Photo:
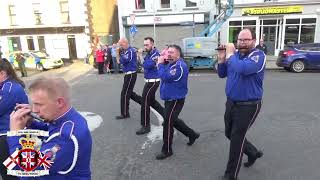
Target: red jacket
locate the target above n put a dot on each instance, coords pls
(99, 55)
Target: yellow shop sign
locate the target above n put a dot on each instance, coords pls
(272, 10)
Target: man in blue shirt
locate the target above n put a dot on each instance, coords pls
(115, 64)
(152, 80)
(69, 143)
(173, 90)
(128, 59)
(244, 70)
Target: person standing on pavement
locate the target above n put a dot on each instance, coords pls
(21, 63)
(244, 70)
(128, 59)
(11, 92)
(261, 46)
(173, 90)
(100, 59)
(115, 64)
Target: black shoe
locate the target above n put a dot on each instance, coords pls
(193, 139)
(163, 155)
(227, 177)
(143, 130)
(252, 160)
(122, 117)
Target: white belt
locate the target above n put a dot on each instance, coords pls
(152, 80)
(129, 72)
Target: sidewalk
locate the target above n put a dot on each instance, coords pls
(69, 71)
(271, 63)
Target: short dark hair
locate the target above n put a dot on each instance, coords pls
(149, 38)
(178, 48)
(253, 33)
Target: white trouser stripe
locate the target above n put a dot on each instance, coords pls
(175, 103)
(125, 97)
(253, 118)
(145, 105)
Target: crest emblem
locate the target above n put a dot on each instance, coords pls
(255, 58)
(173, 72)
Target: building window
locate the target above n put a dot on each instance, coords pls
(12, 15)
(64, 10)
(140, 4)
(37, 13)
(191, 3)
(236, 26)
(42, 45)
(165, 3)
(30, 43)
(300, 30)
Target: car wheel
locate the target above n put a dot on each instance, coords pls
(297, 66)
(287, 69)
(40, 67)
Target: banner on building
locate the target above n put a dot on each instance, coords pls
(272, 10)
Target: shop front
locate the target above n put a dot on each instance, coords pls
(278, 26)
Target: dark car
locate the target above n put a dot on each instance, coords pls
(299, 57)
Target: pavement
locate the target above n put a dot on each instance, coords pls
(271, 63)
(70, 72)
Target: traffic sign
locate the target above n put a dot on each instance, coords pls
(133, 29)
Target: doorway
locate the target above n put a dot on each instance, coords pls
(72, 47)
(271, 33)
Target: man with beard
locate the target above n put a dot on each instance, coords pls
(152, 80)
(244, 70)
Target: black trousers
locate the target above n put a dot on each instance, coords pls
(100, 67)
(127, 93)
(172, 111)
(148, 99)
(238, 119)
(4, 154)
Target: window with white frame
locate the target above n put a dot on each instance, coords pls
(236, 26)
(140, 4)
(300, 30)
(191, 3)
(12, 15)
(37, 13)
(64, 10)
(165, 3)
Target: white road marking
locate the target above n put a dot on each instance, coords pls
(93, 120)
(155, 134)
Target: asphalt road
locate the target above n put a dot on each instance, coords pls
(287, 130)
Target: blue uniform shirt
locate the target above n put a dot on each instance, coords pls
(128, 58)
(149, 65)
(11, 92)
(244, 75)
(174, 80)
(69, 146)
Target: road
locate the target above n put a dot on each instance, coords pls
(287, 128)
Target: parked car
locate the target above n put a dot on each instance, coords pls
(299, 57)
(36, 60)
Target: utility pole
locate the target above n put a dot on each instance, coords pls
(219, 11)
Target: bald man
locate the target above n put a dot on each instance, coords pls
(69, 144)
(128, 59)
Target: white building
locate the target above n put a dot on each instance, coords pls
(58, 26)
(278, 22)
(165, 20)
